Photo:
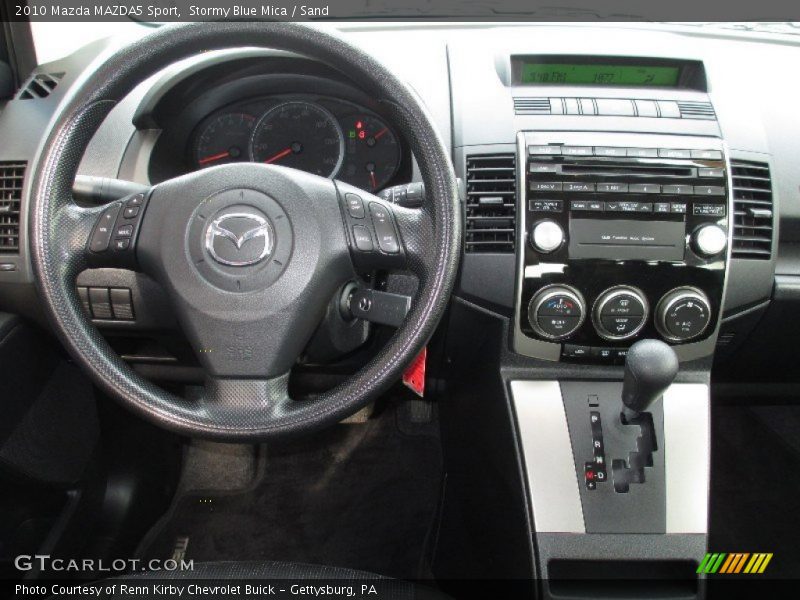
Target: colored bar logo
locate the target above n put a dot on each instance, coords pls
(734, 563)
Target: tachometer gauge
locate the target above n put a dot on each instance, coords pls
(300, 135)
(223, 139)
(372, 154)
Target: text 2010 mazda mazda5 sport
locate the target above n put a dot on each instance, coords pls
(225, 248)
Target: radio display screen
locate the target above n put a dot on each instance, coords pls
(609, 71)
(622, 75)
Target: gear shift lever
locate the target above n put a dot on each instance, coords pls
(651, 366)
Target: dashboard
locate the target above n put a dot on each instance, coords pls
(582, 88)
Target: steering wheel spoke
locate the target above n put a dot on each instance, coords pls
(383, 235)
(113, 236)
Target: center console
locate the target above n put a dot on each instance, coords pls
(621, 237)
(601, 204)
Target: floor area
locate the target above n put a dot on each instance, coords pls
(755, 491)
(361, 495)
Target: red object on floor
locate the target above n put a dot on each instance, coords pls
(414, 375)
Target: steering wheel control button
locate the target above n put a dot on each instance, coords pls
(384, 229)
(136, 200)
(362, 238)
(709, 240)
(124, 231)
(130, 212)
(122, 244)
(101, 237)
(547, 236)
(620, 313)
(683, 314)
(556, 312)
(355, 206)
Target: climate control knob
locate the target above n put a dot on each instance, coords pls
(556, 312)
(683, 314)
(547, 236)
(709, 240)
(620, 313)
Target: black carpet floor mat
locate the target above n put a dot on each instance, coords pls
(361, 496)
(755, 487)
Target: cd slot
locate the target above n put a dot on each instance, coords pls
(636, 171)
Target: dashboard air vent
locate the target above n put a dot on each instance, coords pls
(532, 106)
(697, 110)
(491, 203)
(39, 86)
(11, 176)
(752, 210)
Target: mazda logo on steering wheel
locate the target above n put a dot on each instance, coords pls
(240, 239)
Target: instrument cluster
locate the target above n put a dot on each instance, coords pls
(321, 135)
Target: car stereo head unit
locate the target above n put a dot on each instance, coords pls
(626, 236)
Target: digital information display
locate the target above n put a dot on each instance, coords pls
(540, 73)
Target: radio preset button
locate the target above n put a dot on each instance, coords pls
(578, 187)
(678, 189)
(546, 186)
(612, 187)
(644, 188)
(709, 190)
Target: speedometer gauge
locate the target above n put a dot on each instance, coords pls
(372, 154)
(300, 135)
(223, 139)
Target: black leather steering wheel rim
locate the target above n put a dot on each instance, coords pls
(59, 230)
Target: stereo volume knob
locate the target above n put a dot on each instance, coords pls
(556, 311)
(683, 314)
(547, 236)
(709, 240)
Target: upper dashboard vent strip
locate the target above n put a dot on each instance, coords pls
(753, 210)
(491, 203)
(12, 175)
(697, 110)
(614, 107)
(39, 85)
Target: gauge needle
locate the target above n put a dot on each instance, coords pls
(378, 135)
(213, 157)
(278, 156)
(372, 179)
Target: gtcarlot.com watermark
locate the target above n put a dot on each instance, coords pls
(44, 562)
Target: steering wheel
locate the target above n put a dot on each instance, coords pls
(249, 254)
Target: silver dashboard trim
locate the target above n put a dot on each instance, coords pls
(547, 454)
(687, 457)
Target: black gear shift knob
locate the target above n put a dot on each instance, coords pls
(650, 368)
